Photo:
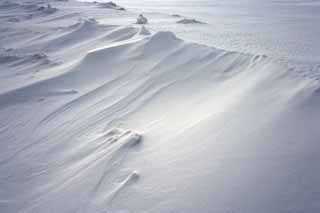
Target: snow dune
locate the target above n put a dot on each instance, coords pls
(134, 121)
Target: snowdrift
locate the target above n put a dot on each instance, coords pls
(139, 122)
(189, 21)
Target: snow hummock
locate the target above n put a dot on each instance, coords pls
(141, 19)
(137, 120)
(144, 31)
(110, 5)
(176, 15)
(189, 21)
(47, 9)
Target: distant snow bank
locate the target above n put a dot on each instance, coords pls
(185, 20)
(16, 11)
(189, 21)
(109, 5)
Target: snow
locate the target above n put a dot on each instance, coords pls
(110, 5)
(98, 114)
(189, 21)
(142, 20)
(274, 28)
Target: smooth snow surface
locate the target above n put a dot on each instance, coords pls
(101, 115)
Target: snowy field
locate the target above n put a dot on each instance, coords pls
(100, 114)
(283, 28)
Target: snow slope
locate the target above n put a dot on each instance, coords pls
(114, 118)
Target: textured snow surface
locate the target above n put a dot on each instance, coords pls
(281, 28)
(101, 115)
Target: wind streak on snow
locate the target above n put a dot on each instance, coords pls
(211, 121)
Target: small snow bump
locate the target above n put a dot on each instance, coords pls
(141, 19)
(176, 15)
(144, 31)
(189, 21)
(134, 176)
(109, 5)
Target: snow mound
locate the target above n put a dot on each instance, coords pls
(144, 31)
(189, 21)
(163, 39)
(47, 9)
(110, 5)
(85, 24)
(142, 20)
(176, 15)
(127, 138)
